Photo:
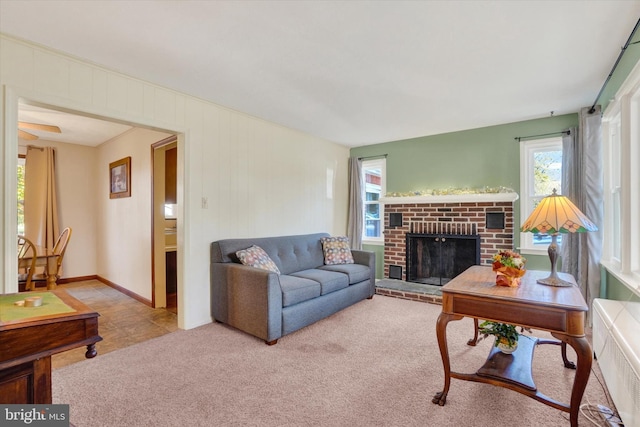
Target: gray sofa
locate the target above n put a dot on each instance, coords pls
(270, 305)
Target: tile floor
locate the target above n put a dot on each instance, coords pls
(123, 321)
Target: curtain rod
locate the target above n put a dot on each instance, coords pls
(568, 132)
(373, 157)
(29, 147)
(624, 48)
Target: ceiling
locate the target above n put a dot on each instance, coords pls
(74, 129)
(353, 72)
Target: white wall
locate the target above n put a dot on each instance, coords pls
(76, 167)
(124, 225)
(260, 178)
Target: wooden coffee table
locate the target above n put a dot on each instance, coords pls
(30, 335)
(559, 310)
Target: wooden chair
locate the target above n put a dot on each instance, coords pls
(27, 255)
(58, 249)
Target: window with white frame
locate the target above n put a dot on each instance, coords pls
(540, 174)
(373, 178)
(614, 187)
(621, 133)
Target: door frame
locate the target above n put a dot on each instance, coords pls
(158, 260)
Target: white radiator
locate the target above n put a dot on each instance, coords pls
(616, 344)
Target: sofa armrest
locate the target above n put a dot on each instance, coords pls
(247, 298)
(367, 258)
(364, 257)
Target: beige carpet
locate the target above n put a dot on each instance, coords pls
(374, 364)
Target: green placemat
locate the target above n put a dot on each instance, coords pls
(51, 304)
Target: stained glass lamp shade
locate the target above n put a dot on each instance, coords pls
(556, 214)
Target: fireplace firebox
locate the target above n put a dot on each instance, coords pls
(434, 259)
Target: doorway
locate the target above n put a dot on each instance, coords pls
(80, 145)
(165, 223)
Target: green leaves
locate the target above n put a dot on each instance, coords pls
(502, 331)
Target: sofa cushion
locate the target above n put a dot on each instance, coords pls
(297, 289)
(329, 280)
(289, 253)
(255, 256)
(356, 272)
(336, 250)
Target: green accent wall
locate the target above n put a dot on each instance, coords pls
(379, 251)
(473, 158)
(612, 288)
(487, 156)
(541, 262)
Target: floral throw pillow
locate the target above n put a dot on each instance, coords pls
(336, 250)
(255, 256)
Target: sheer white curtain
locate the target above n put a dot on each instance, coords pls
(40, 197)
(355, 216)
(582, 182)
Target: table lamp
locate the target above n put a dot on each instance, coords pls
(556, 214)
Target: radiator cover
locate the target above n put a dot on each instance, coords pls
(616, 325)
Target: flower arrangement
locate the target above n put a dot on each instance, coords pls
(509, 267)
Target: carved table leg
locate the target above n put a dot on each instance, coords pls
(563, 344)
(440, 398)
(51, 272)
(91, 351)
(567, 363)
(473, 341)
(585, 359)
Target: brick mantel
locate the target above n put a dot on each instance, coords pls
(448, 209)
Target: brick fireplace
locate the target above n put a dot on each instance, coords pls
(488, 215)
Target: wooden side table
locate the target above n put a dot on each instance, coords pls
(28, 340)
(559, 310)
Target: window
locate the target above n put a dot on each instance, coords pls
(170, 211)
(621, 133)
(373, 177)
(614, 187)
(540, 174)
(21, 195)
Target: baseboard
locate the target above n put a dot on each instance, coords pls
(65, 280)
(125, 291)
(62, 281)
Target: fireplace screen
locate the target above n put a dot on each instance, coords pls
(434, 259)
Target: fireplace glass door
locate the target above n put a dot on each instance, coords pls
(434, 259)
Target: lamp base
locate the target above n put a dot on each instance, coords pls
(554, 281)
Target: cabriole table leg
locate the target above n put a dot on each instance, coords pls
(440, 398)
(583, 369)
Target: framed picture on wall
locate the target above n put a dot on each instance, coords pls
(120, 178)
